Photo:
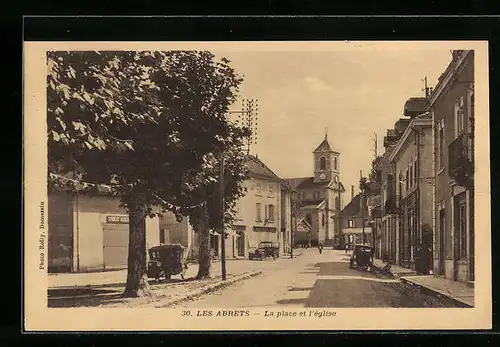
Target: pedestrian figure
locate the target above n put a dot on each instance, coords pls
(346, 247)
(320, 247)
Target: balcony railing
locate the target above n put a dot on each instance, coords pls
(460, 160)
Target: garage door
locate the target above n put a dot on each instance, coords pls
(115, 245)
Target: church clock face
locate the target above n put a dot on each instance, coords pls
(322, 176)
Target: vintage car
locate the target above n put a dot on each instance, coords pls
(362, 257)
(266, 249)
(165, 261)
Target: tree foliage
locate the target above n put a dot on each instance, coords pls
(151, 126)
(148, 122)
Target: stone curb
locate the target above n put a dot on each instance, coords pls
(200, 291)
(438, 293)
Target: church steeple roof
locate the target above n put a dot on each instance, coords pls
(324, 146)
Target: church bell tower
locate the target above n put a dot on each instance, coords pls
(326, 163)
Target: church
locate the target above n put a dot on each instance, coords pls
(320, 199)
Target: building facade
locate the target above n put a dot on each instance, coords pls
(355, 227)
(389, 199)
(412, 161)
(90, 233)
(320, 197)
(263, 214)
(452, 107)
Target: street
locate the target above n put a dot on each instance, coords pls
(312, 280)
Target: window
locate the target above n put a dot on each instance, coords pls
(323, 219)
(440, 157)
(322, 163)
(459, 117)
(407, 181)
(271, 188)
(335, 163)
(258, 210)
(162, 236)
(337, 204)
(462, 230)
(259, 188)
(410, 183)
(470, 112)
(350, 223)
(415, 173)
(271, 213)
(316, 195)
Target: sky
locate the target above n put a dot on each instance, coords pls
(352, 93)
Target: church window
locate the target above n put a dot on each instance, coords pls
(322, 163)
(323, 219)
(337, 206)
(335, 163)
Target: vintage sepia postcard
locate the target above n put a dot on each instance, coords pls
(256, 186)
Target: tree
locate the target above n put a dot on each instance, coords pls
(146, 124)
(208, 216)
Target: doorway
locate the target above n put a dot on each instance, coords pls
(442, 250)
(240, 244)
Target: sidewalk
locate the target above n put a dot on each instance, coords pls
(118, 278)
(458, 292)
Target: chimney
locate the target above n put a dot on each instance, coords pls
(352, 192)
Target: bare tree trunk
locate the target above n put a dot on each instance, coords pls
(205, 256)
(137, 281)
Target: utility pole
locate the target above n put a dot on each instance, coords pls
(251, 114)
(362, 206)
(222, 226)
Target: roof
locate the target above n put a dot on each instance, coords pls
(324, 146)
(258, 169)
(306, 204)
(424, 120)
(308, 182)
(415, 106)
(353, 208)
(302, 222)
